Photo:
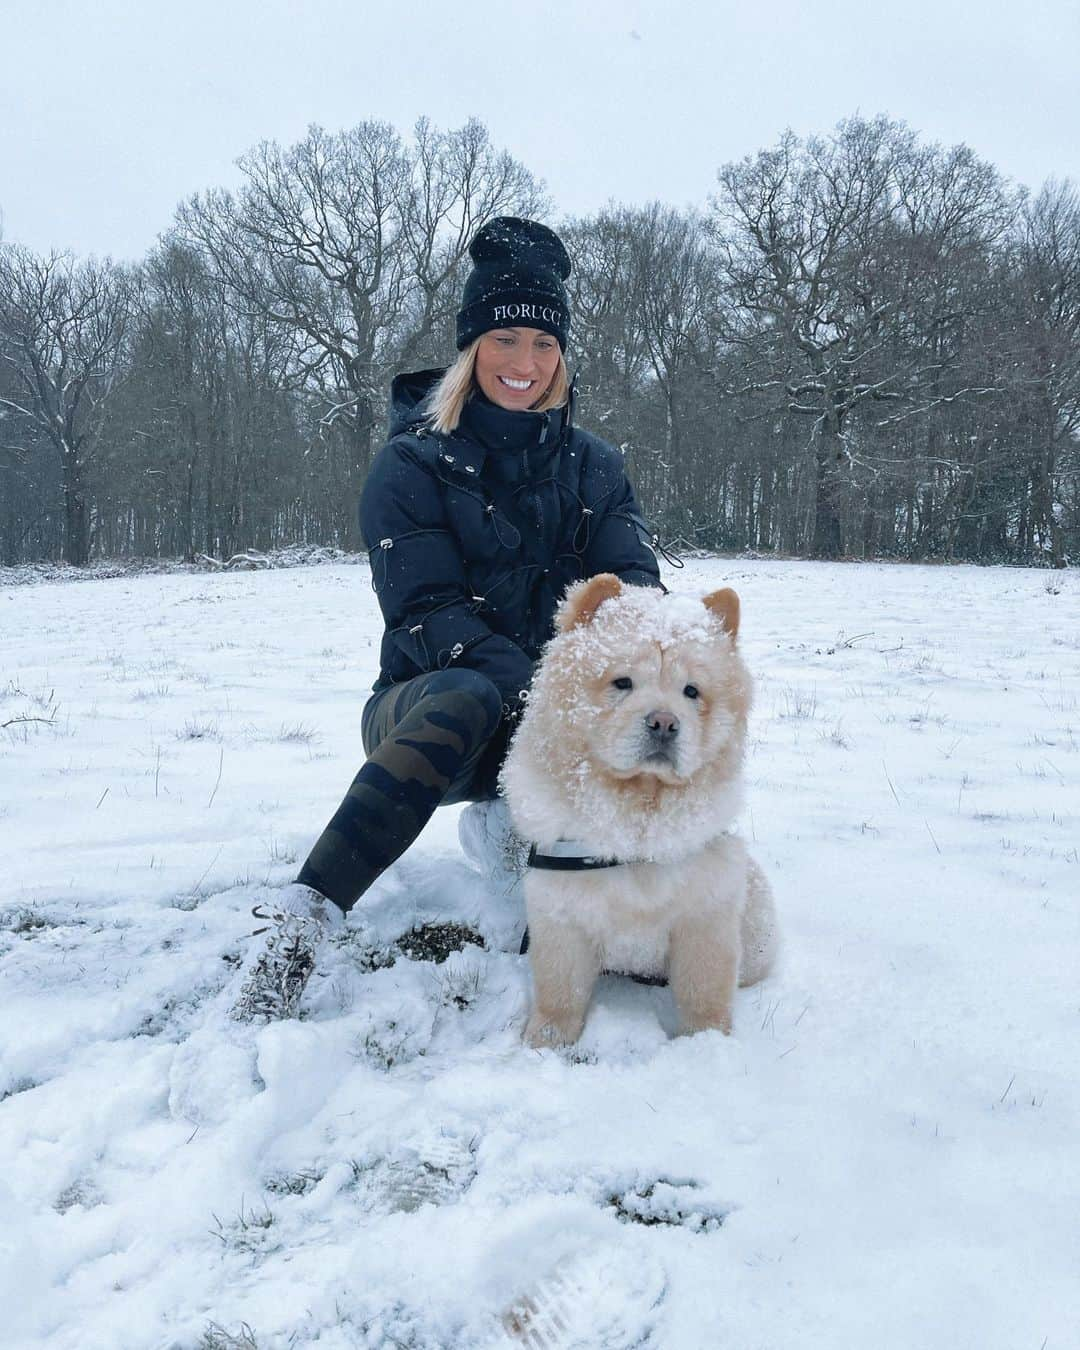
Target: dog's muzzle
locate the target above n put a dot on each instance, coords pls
(659, 742)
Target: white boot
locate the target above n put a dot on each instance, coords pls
(491, 843)
(295, 921)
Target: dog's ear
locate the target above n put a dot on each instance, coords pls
(584, 598)
(725, 605)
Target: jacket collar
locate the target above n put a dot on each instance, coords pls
(485, 428)
(498, 428)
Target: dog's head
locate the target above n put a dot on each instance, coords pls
(651, 686)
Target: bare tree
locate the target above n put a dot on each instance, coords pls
(457, 182)
(348, 242)
(843, 257)
(607, 340)
(674, 293)
(204, 446)
(869, 345)
(62, 331)
(1047, 352)
(644, 287)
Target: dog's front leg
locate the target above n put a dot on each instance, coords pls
(703, 966)
(565, 965)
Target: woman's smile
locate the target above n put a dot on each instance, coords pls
(515, 366)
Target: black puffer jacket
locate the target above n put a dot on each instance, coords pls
(474, 537)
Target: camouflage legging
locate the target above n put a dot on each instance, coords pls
(435, 739)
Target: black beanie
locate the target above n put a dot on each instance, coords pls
(519, 267)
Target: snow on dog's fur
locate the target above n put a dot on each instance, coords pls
(632, 746)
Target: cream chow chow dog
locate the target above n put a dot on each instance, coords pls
(625, 775)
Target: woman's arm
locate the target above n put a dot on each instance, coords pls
(419, 576)
(618, 534)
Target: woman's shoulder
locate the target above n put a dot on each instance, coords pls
(599, 458)
(416, 447)
(404, 469)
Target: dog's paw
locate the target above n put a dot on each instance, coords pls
(716, 1019)
(550, 1033)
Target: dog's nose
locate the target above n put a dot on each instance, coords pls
(662, 725)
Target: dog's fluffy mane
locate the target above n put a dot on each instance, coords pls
(554, 790)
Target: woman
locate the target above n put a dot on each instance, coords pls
(485, 503)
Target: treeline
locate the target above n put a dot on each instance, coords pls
(862, 345)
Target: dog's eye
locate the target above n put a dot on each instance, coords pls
(691, 691)
(623, 682)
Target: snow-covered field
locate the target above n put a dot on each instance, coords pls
(885, 1154)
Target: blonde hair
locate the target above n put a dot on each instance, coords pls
(447, 398)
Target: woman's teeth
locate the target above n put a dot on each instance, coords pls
(515, 384)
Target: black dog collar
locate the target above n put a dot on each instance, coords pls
(568, 862)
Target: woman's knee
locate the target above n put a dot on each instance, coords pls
(469, 684)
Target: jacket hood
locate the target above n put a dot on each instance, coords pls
(407, 393)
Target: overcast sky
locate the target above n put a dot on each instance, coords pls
(112, 111)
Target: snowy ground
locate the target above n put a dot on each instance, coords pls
(883, 1154)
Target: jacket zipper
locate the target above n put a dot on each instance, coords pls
(544, 424)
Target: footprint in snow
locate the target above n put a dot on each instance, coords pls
(434, 1171)
(606, 1296)
(214, 1070)
(668, 1204)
